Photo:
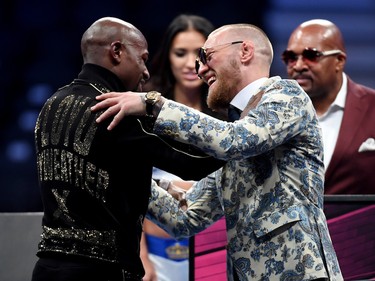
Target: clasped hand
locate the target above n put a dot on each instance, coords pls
(179, 194)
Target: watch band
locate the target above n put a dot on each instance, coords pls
(149, 107)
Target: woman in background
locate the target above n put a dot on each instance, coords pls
(173, 74)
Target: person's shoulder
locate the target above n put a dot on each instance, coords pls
(360, 89)
(284, 85)
(277, 81)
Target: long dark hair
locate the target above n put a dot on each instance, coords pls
(162, 78)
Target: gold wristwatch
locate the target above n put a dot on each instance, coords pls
(151, 98)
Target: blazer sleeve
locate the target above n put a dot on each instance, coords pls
(284, 112)
(204, 208)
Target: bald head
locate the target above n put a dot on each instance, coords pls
(119, 47)
(98, 38)
(242, 32)
(319, 32)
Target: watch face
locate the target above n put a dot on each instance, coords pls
(152, 95)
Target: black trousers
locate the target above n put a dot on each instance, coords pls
(57, 269)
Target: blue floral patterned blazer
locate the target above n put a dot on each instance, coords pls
(270, 190)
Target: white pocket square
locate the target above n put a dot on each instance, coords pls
(368, 145)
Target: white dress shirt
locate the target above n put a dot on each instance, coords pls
(331, 122)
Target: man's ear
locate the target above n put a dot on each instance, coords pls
(247, 51)
(341, 60)
(116, 50)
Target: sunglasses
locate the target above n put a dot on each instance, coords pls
(308, 55)
(202, 54)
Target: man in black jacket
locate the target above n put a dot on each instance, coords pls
(95, 183)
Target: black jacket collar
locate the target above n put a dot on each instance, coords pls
(95, 74)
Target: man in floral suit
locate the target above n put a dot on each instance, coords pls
(271, 189)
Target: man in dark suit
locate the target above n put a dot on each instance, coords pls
(315, 57)
(95, 183)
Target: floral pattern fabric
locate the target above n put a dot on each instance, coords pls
(270, 190)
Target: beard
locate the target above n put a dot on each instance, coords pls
(224, 90)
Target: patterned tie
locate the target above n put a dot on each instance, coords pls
(233, 113)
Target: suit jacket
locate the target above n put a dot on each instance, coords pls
(95, 183)
(270, 191)
(351, 171)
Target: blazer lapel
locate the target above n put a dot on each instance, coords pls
(354, 111)
(254, 100)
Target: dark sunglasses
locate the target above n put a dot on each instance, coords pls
(308, 55)
(202, 54)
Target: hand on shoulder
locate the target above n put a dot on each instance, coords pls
(119, 105)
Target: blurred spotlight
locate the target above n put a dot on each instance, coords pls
(27, 120)
(39, 93)
(19, 151)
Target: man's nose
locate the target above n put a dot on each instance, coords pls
(300, 64)
(146, 75)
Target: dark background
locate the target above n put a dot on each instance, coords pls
(40, 52)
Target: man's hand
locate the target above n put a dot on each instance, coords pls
(178, 188)
(179, 194)
(119, 105)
